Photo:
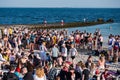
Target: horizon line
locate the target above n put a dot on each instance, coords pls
(62, 7)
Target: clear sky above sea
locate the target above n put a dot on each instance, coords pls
(61, 3)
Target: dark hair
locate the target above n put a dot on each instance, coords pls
(22, 53)
(0, 50)
(12, 67)
(29, 67)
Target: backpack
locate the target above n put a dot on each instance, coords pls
(52, 74)
(10, 76)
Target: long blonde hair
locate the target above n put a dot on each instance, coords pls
(40, 72)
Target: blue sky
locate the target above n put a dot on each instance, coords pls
(61, 3)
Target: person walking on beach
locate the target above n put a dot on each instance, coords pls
(73, 52)
(55, 53)
(43, 51)
(101, 41)
(64, 52)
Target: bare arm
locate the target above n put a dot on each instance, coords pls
(83, 77)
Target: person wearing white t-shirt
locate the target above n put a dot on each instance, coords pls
(73, 52)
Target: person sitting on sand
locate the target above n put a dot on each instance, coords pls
(101, 62)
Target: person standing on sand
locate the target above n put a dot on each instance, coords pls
(6, 32)
(101, 41)
(77, 40)
(68, 45)
(43, 51)
(60, 43)
(116, 46)
(85, 72)
(64, 52)
(73, 52)
(32, 41)
(110, 46)
(90, 41)
(95, 42)
(55, 53)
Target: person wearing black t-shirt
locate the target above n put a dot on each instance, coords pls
(68, 45)
(11, 74)
(85, 73)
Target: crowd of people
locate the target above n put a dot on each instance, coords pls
(57, 50)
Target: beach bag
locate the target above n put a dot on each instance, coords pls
(104, 53)
(95, 52)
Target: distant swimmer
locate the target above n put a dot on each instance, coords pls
(110, 27)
